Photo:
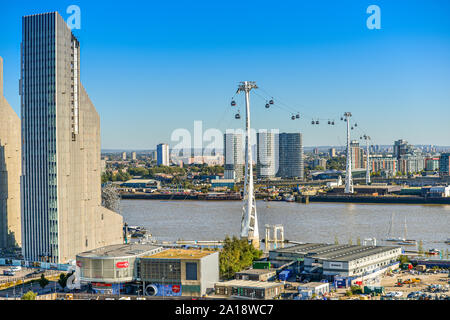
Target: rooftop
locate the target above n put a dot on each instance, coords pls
(181, 254)
(312, 284)
(256, 271)
(120, 250)
(249, 284)
(335, 252)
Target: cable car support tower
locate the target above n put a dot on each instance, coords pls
(249, 222)
(348, 172)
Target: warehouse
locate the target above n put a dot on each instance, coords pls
(248, 289)
(109, 268)
(317, 288)
(342, 260)
(179, 272)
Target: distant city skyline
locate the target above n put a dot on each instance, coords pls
(181, 62)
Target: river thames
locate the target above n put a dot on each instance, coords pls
(314, 222)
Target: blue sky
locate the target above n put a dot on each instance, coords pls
(151, 67)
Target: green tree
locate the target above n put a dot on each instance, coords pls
(30, 295)
(236, 255)
(403, 259)
(43, 281)
(62, 281)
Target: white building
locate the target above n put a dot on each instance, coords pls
(162, 154)
(267, 154)
(234, 156)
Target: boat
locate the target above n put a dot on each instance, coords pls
(390, 238)
(405, 241)
(434, 252)
(289, 198)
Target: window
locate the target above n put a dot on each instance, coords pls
(191, 271)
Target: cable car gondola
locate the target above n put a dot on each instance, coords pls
(297, 116)
(267, 106)
(271, 101)
(329, 122)
(332, 123)
(293, 117)
(233, 103)
(237, 116)
(312, 122)
(317, 122)
(356, 124)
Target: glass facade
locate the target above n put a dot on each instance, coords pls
(38, 112)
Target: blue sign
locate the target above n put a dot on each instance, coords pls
(163, 290)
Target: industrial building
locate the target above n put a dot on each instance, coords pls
(327, 260)
(10, 170)
(179, 272)
(112, 267)
(249, 289)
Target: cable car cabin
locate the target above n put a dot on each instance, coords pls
(267, 105)
(293, 117)
(312, 122)
(332, 123)
(317, 122)
(297, 116)
(233, 103)
(271, 102)
(237, 116)
(356, 124)
(329, 122)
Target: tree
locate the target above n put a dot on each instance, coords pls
(62, 281)
(403, 259)
(43, 281)
(30, 295)
(236, 255)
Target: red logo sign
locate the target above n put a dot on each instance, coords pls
(176, 288)
(122, 264)
(79, 264)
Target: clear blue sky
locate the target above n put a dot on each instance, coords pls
(153, 66)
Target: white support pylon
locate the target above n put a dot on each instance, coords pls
(249, 221)
(348, 172)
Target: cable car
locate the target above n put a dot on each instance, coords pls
(356, 124)
(312, 122)
(233, 103)
(317, 122)
(342, 118)
(329, 122)
(332, 123)
(267, 105)
(293, 117)
(237, 116)
(352, 128)
(297, 116)
(271, 101)
(360, 138)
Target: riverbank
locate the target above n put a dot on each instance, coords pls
(373, 199)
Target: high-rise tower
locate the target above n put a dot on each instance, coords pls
(61, 192)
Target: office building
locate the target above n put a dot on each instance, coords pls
(266, 155)
(234, 156)
(162, 154)
(291, 163)
(61, 192)
(10, 170)
(444, 165)
(124, 156)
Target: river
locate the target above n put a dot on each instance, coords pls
(314, 222)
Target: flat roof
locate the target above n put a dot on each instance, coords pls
(141, 181)
(249, 284)
(256, 271)
(335, 252)
(181, 254)
(120, 250)
(312, 284)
